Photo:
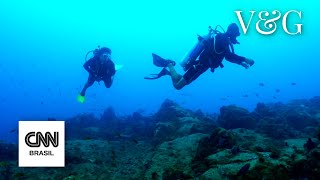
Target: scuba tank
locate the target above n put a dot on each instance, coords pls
(198, 48)
(94, 52)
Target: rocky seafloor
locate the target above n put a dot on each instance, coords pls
(274, 141)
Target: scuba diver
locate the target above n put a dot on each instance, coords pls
(211, 49)
(100, 67)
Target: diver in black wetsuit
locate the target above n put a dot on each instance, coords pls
(100, 67)
(215, 50)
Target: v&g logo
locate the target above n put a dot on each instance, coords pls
(268, 20)
(41, 144)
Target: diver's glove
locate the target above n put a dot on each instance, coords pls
(249, 61)
(245, 65)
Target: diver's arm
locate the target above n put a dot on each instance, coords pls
(231, 57)
(112, 69)
(87, 66)
(245, 62)
(111, 80)
(113, 72)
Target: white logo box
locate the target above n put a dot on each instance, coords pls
(41, 156)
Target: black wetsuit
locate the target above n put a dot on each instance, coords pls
(100, 71)
(216, 50)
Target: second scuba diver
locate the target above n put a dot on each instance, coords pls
(100, 67)
(211, 52)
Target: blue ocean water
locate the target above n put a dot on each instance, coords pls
(43, 45)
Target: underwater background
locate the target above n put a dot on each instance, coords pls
(43, 46)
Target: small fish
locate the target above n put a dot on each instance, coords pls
(246, 95)
(41, 102)
(135, 141)
(274, 97)
(261, 84)
(243, 170)
(293, 84)
(257, 95)
(223, 99)
(87, 138)
(277, 90)
(118, 135)
(13, 130)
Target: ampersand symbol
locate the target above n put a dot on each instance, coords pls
(268, 24)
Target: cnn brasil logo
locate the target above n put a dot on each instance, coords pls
(41, 144)
(268, 20)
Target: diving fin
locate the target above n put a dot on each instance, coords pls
(118, 66)
(81, 99)
(160, 62)
(163, 72)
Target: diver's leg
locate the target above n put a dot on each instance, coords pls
(177, 80)
(107, 82)
(192, 74)
(88, 84)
